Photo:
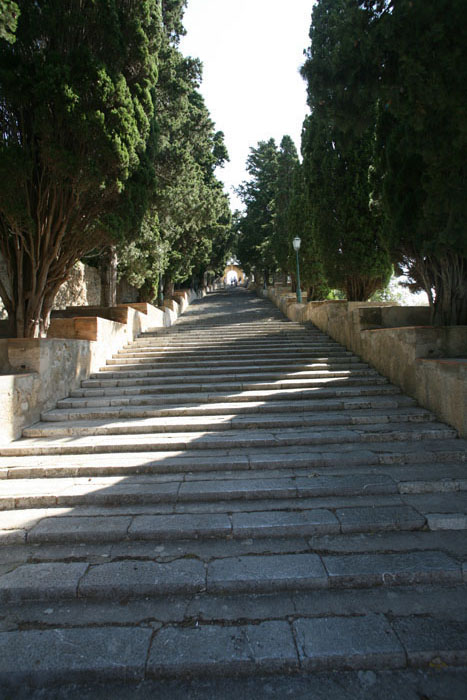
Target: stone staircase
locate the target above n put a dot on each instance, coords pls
(235, 496)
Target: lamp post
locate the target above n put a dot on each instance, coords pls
(160, 294)
(296, 246)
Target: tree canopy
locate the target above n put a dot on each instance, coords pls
(104, 139)
(187, 227)
(9, 13)
(396, 69)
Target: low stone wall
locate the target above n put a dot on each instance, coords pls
(43, 371)
(37, 372)
(428, 363)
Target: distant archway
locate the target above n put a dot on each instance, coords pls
(233, 275)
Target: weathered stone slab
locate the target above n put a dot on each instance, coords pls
(433, 641)
(366, 570)
(80, 529)
(276, 523)
(40, 657)
(250, 606)
(17, 536)
(47, 581)
(181, 526)
(266, 573)
(222, 650)
(142, 578)
(351, 485)
(379, 518)
(238, 488)
(447, 521)
(348, 643)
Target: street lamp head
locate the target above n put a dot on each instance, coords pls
(296, 243)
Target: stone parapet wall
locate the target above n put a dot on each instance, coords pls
(429, 363)
(37, 372)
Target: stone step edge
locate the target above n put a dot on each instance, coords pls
(226, 421)
(218, 440)
(370, 453)
(310, 393)
(399, 402)
(107, 528)
(111, 653)
(135, 578)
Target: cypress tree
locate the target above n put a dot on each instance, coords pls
(76, 105)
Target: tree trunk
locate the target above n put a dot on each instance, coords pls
(108, 270)
(168, 287)
(450, 286)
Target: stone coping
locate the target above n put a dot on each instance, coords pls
(426, 362)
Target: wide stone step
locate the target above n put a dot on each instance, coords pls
(129, 387)
(370, 501)
(239, 408)
(197, 363)
(244, 656)
(45, 525)
(227, 368)
(255, 345)
(32, 493)
(227, 421)
(228, 440)
(252, 355)
(131, 578)
(424, 467)
(240, 377)
(124, 397)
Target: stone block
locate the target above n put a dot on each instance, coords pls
(266, 573)
(333, 643)
(61, 656)
(219, 650)
(366, 570)
(284, 523)
(447, 521)
(134, 579)
(79, 529)
(377, 518)
(47, 581)
(433, 641)
(148, 527)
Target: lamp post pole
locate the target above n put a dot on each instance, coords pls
(160, 295)
(296, 246)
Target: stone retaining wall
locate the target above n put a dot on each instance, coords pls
(36, 372)
(428, 363)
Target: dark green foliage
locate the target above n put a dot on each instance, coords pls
(345, 230)
(300, 224)
(422, 153)
(188, 225)
(9, 13)
(256, 239)
(399, 68)
(75, 117)
(287, 163)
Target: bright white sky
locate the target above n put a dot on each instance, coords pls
(252, 51)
